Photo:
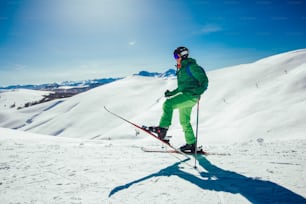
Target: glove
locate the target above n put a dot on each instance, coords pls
(168, 93)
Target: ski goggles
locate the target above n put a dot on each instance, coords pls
(176, 56)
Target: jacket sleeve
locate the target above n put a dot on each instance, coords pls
(174, 92)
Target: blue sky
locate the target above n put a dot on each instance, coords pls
(59, 40)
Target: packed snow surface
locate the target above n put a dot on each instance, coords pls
(252, 119)
(44, 169)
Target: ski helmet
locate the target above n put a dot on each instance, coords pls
(182, 52)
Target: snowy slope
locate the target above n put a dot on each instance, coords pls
(129, 96)
(12, 100)
(19, 97)
(256, 112)
(42, 169)
(264, 99)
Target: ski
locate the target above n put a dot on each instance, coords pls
(163, 150)
(199, 152)
(149, 133)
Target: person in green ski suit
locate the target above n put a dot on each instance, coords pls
(192, 81)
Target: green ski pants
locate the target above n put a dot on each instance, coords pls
(184, 103)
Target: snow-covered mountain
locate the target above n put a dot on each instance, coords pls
(89, 84)
(17, 98)
(54, 86)
(263, 99)
(21, 96)
(168, 73)
(256, 112)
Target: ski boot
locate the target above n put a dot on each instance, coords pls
(159, 131)
(188, 148)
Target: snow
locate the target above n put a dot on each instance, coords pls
(255, 112)
(41, 169)
(19, 97)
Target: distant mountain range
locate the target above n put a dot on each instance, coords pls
(84, 85)
(168, 73)
(64, 85)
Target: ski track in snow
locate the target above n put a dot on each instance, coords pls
(39, 169)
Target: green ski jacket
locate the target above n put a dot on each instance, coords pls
(191, 79)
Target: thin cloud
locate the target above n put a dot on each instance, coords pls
(132, 43)
(210, 28)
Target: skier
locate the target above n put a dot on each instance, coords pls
(192, 81)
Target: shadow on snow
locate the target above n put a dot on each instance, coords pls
(217, 179)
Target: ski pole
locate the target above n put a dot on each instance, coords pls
(197, 131)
